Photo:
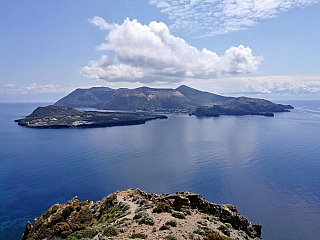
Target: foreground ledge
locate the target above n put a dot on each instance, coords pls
(138, 214)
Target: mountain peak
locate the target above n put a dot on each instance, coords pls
(183, 98)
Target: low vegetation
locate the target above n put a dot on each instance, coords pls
(139, 215)
(147, 221)
(177, 214)
(138, 235)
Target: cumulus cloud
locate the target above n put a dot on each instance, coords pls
(212, 17)
(149, 53)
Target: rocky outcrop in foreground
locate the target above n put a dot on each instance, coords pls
(137, 214)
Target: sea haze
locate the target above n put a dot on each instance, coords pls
(267, 167)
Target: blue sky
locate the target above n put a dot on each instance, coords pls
(49, 48)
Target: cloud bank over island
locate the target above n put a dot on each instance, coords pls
(150, 53)
(18, 89)
(304, 85)
(33, 92)
(308, 86)
(211, 17)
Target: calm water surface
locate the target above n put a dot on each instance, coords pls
(267, 167)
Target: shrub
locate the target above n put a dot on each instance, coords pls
(179, 215)
(140, 214)
(186, 211)
(172, 223)
(147, 221)
(202, 223)
(85, 233)
(199, 231)
(224, 230)
(215, 236)
(110, 231)
(138, 235)
(212, 235)
(170, 237)
(164, 227)
(113, 211)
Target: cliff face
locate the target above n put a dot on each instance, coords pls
(137, 214)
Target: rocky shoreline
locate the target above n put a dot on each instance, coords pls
(64, 117)
(138, 214)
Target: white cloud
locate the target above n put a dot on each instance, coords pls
(284, 85)
(149, 53)
(266, 85)
(14, 89)
(211, 17)
(101, 23)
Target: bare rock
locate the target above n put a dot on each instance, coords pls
(117, 217)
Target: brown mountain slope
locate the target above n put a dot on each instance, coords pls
(147, 99)
(139, 98)
(181, 99)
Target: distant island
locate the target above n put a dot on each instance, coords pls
(64, 117)
(136, 214)
(183, 99)
(143, 102)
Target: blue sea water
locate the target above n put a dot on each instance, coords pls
(268, 167)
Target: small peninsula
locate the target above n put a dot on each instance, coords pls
(242, 106)
(64, 117)
(136, 214)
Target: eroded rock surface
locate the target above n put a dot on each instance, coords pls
(138, 214)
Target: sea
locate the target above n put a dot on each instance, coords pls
(268, 167)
